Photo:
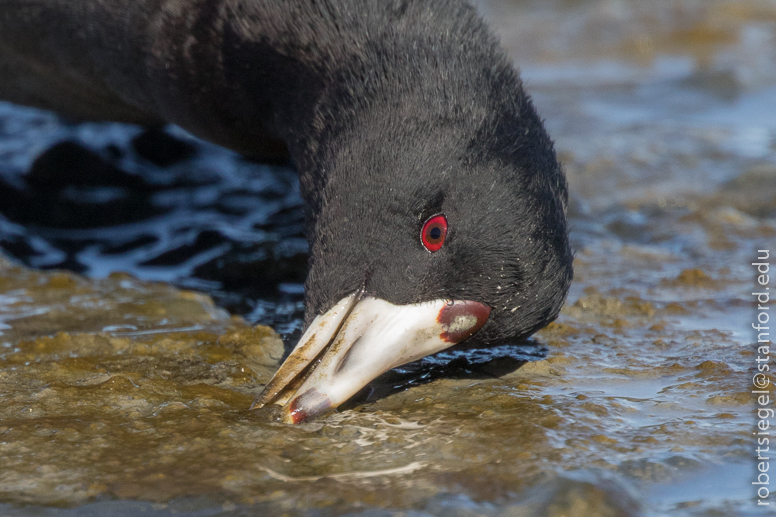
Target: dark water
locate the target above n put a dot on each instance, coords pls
(636, 403)
(99, 197)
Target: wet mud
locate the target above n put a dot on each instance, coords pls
(126, 380)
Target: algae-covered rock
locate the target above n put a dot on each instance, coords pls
(104, 381)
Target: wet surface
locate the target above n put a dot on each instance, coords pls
(124, 396)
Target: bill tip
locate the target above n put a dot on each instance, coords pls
(309, 404)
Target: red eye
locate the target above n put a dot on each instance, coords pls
(434, 232)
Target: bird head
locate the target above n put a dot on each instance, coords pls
(428, 230)
(437, 214)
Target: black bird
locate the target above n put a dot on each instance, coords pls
(435, 202)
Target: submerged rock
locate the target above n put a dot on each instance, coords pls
(104, 381)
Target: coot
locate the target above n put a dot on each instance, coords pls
(435, 202)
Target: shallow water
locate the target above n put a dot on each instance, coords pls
(123, 396)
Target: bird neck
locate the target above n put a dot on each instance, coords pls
(243, 73)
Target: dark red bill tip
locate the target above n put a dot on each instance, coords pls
(461, 319)
(309, 404)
